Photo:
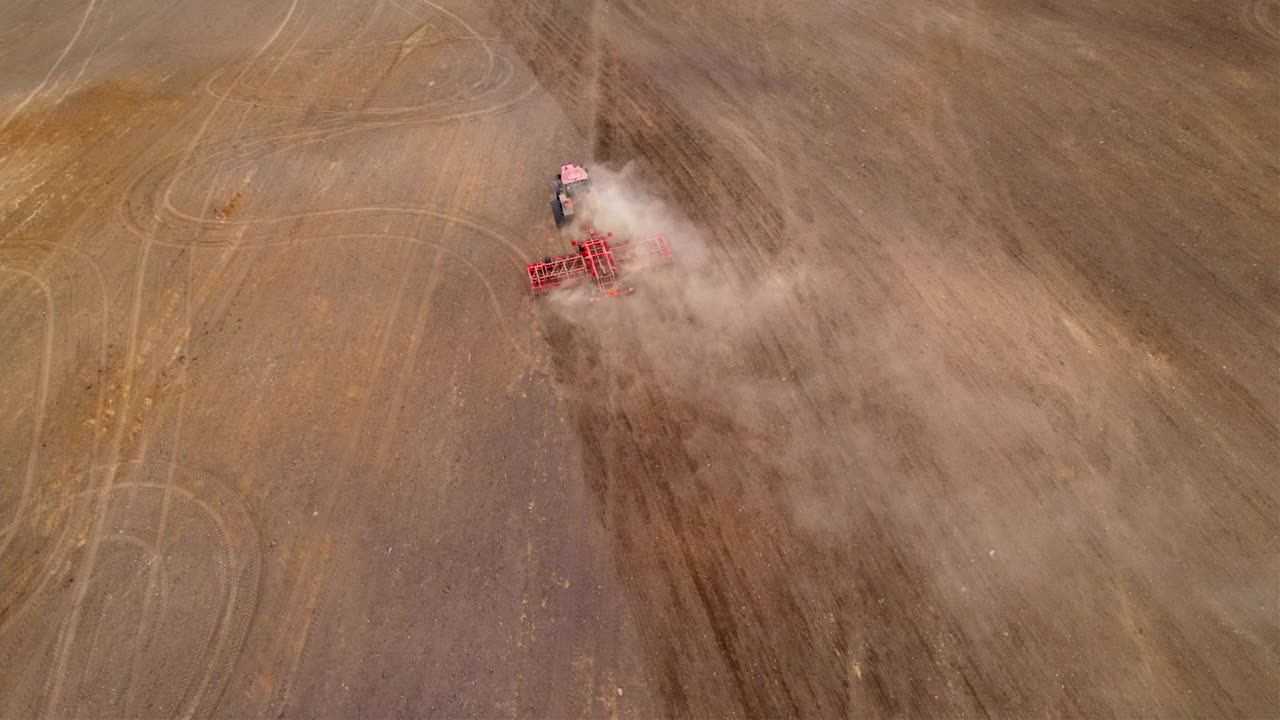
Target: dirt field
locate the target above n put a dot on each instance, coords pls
(962, 400)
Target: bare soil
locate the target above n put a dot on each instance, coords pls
(962, 399)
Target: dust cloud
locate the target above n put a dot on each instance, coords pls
(715, 420)
(717, 352)
(748, 376)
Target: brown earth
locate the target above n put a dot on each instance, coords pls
(961, 400)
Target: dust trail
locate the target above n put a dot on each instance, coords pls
(694, 404)
(701, 330)
(744, 440)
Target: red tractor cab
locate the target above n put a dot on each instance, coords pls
(573, 194)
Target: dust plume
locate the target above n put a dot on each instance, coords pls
(717, 350)
(711, 431)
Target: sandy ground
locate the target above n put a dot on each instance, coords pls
(961, 401)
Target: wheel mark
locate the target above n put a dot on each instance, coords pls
(150, 557)
(246, 562)
(61, 547)
(176, 443)
(388, 430)
(1262, 18)
(348, 460)
(44, 117)
(498, 308)
(73, 621)
(487, 47)
(407, 367)
(56, 64)
(491, 60)
(185, 339)
(132, 358)
(42, 400)
(486, 230)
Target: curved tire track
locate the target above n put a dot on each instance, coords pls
(231, 543)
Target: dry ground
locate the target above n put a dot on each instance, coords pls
(962, 402)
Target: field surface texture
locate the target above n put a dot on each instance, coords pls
(960, 399)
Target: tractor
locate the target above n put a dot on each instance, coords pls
(573, 195)
(599, 262)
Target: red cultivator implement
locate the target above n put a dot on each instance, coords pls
(601, 261)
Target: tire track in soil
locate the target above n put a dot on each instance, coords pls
(501, 312)
(218, 627)
(315, 602)
(144, 204)
(325, 585)
(151, 558)
(422, 113)
(15, 150)
(42, 401)
(308, 594)
(443, 110)
(149, 238)
(88, 12)
(69, 632)
(477, 90)
(16, 607)
(206, 232)
(236, 567)
(310, 590)
(92, 653)
(183, 347)
(1262, 19)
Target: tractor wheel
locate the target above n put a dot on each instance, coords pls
(557, 212)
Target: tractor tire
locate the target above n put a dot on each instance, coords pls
(557, 212)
